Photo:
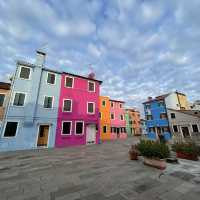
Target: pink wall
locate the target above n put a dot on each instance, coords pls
(80, 96)
(117, 122)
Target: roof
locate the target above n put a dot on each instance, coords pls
(55, 71)
(132, 110)
(5, 86)
(195, 113)
(158, 98)
(117, 101)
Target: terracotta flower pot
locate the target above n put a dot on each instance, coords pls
(157, 163)
(188, 156)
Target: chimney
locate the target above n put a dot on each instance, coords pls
(150, 98)
(40, 58)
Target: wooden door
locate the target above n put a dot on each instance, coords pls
(43, 135)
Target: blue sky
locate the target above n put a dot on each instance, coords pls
(139, 48)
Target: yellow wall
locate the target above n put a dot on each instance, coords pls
(105, 117)
(183, 101)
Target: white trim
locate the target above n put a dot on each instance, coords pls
(89, 113)
(94, 86)
(38, 129)
(4, 128)
(70, 128)
(13, 99)
(3, 99)
(71, 105)
(52, 101)
(47, 78)
(72, 81)
(30, 74)
(113, 116)
(82, 129)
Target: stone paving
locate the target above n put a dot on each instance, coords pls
(95, 172)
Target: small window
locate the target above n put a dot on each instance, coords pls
(104, 129)
(51, 78)
(120, 105)
(122, 117)
(91, 86)
(66, 127)
(79, 128)
(103, 103)
(148, 106)
(161, 104)
(163, 116)
(10, 129)
(175, 128)
(112, 104)
(173, 116)
(149, 117)
(48, 102)
(152, 129)
(100, 115)
(90, 108)
(195, 128)
(69, 82)
(19, 99)
(2, 97)
(25, 73)
(67, 105)
(112, 116)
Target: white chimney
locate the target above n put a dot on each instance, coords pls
(40, 58)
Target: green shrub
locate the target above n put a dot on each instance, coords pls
(152, 149)
(189, 148)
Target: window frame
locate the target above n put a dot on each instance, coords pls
(105, 129)
(54, 80)
(22, 66)
(174, 115)
(70, 128)
(4, 128)
(193, 128)
(13, 100)
(71, 106)
(102, 103)
(3, 100)
(82, 129)
(89, 85)
(52, 102)
(66, 81)
(89, 113)
(113, 116)
(176, 127)
(112, 104)
(121, 115)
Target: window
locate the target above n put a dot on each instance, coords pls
(104, 129)
(165, 129)
(149, 117)
(10, 129)
(67, 105)
(175, 128)
(25, 73)
(48, 102)
(163, 116)
(100, 115)
(112, 104)
(103, 103)
(90, 108)
(173, 116)
(2, 97)
(195, 128)
(122, 117)
(112, 116)
(19, 99)
(91, 86)
(161, 103)
(69, 82)
(66, 127)
(120, 105)
(152, 129)
(79, 127)
(51, 78)
(148, 106)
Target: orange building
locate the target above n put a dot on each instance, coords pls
(104, 108)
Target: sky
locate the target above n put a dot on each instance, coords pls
(138, 48)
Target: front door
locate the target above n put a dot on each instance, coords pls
(91, 134)
(185, 132)
(43, 136)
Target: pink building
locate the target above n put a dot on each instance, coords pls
(118, 123)
(78, 112)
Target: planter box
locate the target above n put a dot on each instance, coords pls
(159, 164)
(187, 156)
(133, 156)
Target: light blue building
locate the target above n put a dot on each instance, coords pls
(31, 117)
(156, 118)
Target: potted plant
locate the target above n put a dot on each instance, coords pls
(187, 151)
(133, 153)
(154, 153)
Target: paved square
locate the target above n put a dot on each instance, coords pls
(95, 172)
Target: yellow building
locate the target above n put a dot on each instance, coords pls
(183, 102)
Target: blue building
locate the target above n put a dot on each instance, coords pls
(31, 116)
(157, 122)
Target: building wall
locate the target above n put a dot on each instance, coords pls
(105, 118)
(136, 122)
(128, 124)
(80, 96)
(32, 114)
(117, 122)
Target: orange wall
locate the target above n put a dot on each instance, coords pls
(2, 109)
(105, 117)
(135, 115)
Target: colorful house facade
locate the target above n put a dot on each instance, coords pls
(78, 113)
(104, 108)
(117, 120)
